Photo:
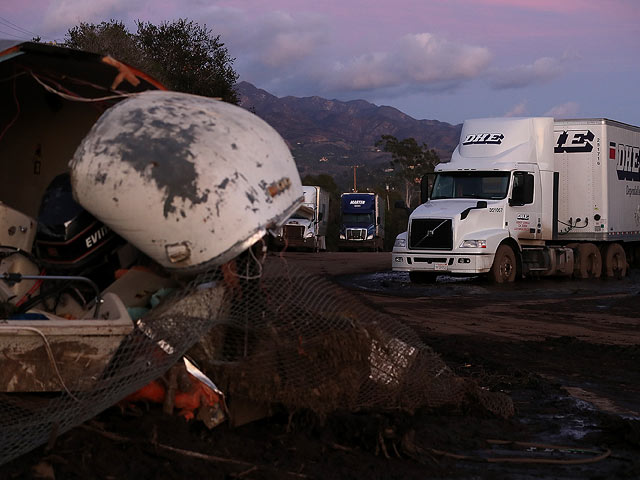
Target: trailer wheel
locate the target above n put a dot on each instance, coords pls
(614, 261)
(504, 265)
(422, 277)
(588, 263)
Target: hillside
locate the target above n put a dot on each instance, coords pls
(330, 136)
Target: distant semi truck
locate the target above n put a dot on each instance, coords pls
(529, 196)
(307, 227)
(362, 221)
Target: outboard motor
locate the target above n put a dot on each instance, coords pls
(71, 241)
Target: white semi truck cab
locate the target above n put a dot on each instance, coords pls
(307, 226)
(529, 196)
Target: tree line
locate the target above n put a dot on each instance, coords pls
(183, 55)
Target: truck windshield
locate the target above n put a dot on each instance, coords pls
(487, 185)
(300, 216)
(357, 218)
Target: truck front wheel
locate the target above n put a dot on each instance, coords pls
(504, 266)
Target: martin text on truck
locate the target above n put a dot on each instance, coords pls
(362, 221)
(529, 196)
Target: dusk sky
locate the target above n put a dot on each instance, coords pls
(446, 60)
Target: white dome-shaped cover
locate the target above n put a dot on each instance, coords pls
(188, 180)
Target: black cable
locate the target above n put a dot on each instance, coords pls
(68, 280)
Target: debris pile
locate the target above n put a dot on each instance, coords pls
(294, 339)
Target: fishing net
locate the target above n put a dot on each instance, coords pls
(266, 333)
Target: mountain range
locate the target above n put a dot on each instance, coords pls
(332, 136)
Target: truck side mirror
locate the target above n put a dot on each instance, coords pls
(425, 187)
(320, 216)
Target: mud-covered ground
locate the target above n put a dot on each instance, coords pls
(567, 352)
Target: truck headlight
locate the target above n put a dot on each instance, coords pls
(369, 237)
(309, 235)
(400, 242)
(342, 237)
(473, 244)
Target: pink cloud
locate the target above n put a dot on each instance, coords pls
(518, 110)
(565, 110)
(417, 59)
(540, 71)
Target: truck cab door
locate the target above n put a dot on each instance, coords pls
(524, 215)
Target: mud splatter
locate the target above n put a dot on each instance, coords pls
(166, 160)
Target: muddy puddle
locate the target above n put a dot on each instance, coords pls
(398, 284)
(575, 423)
(566, 351)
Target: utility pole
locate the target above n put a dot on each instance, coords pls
(388, 205)
(355, 189)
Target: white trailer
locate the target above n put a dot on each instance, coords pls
(529, 196)
(307, 227)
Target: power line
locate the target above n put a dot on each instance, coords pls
(14, 36)
(13, 26)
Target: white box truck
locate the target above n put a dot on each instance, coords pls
(307, 227)
(529, 196)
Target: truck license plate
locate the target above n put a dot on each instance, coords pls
(440, 266)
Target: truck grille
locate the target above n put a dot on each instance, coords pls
(428, 233)
(356, 233)
(293, 232)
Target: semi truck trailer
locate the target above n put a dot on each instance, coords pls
(362, 221)
(307, 227)
(529, 196)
